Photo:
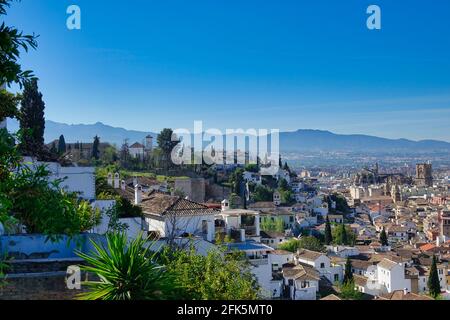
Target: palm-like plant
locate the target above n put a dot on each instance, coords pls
(127, 271)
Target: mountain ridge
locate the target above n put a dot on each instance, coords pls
(291, 141)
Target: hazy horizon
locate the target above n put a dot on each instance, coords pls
(284, 65)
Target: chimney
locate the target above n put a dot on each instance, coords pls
(123, 185)
(405, 291)
(137, 194)
(135, 181)
(116, 181)
(225, 205)
(110, 179)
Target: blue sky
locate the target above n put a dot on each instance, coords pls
(147, 65)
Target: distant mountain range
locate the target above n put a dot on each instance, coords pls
(87, 132)
(300, 140)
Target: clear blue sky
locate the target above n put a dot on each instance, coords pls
(147, 65)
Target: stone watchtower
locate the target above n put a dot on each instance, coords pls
(424, 175)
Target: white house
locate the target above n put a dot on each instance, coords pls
(172, 216)
(391, 276)
(300, 282)
(272, 239)
(277, 259)
(244, 222)
(137, 150)
(321, 263)
(258, 256)
(397, 234)
(343, 251)
(75, 179)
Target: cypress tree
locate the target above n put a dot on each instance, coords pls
(32, 120)
(53, 148)
(383, 238)
(328, 235)
(434, 285)
(348, 274)
(95, 148)
(344, 238)
(61, 145)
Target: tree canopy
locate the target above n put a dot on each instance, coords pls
(308, 243)
(434, 285)
(32, 120)
(12, 42)
(216, 276)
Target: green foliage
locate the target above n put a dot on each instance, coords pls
(434, 285)
(95, 148)
(252, 167)
(167, 141)
(28, 197)
(283, 185)
(343, 235)
(349, 292)
(383, 238)
(109, 155)
(307, 242)
(270, 224)
(127, 271)
(4, 266)
(61, 145)
(285, 191)
(217, 276)
(234, 201)
(12, 41)
(8, 104)
(341, 204)
(124, 206)
(236, 179)
(32, 120)
(348, 273)
(328, 233)
(262, 193)
(114, 225)
(291, 245)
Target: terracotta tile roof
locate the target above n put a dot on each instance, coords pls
(271, 234)
(387, 264)
(360, 280)
(361, 264)
(428, 247)
(163, 204)
(301, 272)
(280, 252)
(308, 254)
(400, 295)
(331, 297)
(262, 205)
(136, 145)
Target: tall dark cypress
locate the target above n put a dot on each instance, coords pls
(383, 238)
(348, 273)
(95, 148)
(61, 145)
(32, 120)
(344, 237)
(328, 234)
(434, 285)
